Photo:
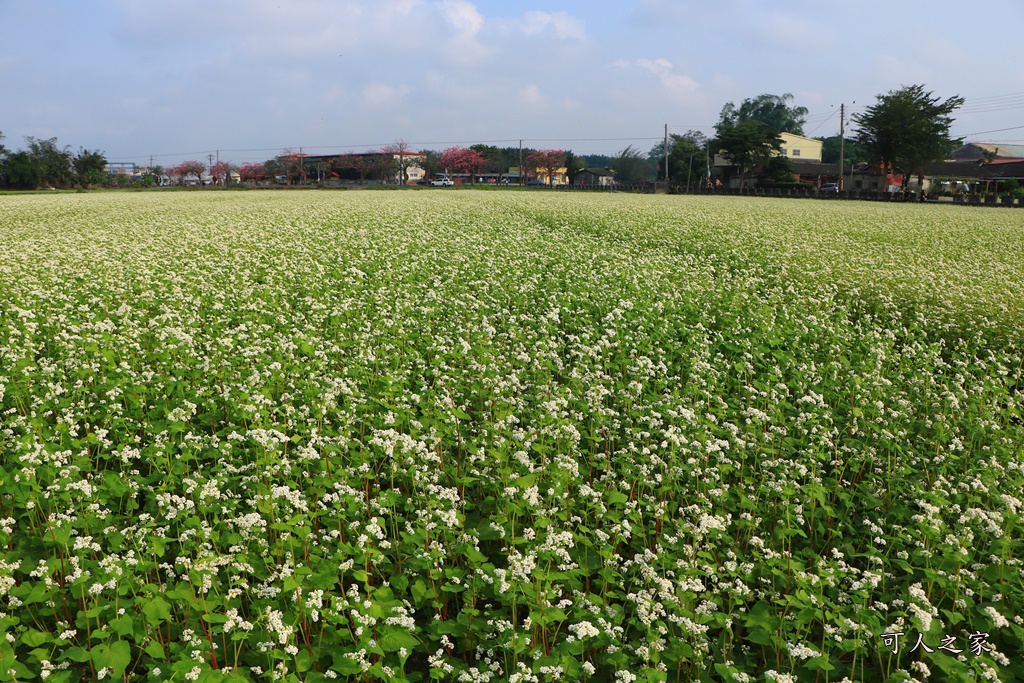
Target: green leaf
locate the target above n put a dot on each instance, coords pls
(34, 638)
(156, 610)
(123, 626)
(77, 654)
(156, 650)
(116, 656)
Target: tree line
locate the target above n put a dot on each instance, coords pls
(44, 163)
(905, 130)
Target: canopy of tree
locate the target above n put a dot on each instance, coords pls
(775, 111)
(907, 129)
(46, 163)
(748, 143)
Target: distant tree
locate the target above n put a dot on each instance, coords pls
(382, 166)
(853, 151)
(191, 168)
(54, 162)
(429, 163)
(778, 169)
(293, 165)
(90, 167)
(631, 166)
(748, 143)
(907, 129)
(221, 172)
(19, 170)
(573, 166)
(3, 150)
(462, 160)
(496, 160)
(597, 161)
(547, 160)
(252, 172)
(274, 168)
(776, 111)
(355, 164)
(687, 158)
(400, 151)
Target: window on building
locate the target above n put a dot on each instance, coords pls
(796, 152)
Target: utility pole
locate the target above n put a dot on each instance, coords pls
(842, 139)
(666, 157)
(521, 179)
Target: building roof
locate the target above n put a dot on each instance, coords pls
(978, 150)
(1000, 168)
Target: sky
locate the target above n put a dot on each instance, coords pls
(246, 79)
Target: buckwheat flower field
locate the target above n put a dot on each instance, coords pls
(482, 436)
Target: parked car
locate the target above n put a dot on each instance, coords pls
(442, 182)
(829, 187)
(536, 182)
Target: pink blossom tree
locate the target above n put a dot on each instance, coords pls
(547, 160)
(252, 173)
(462, 160)
(196, 168)
(221, 172)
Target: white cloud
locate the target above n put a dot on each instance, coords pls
(384, 95)
(464, 16)
(564, 26)
(662, 68)
(531, 96)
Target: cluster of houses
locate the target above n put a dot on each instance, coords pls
(973, 167)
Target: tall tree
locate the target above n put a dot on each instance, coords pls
(907, 129)
(776, 111)
(550, 161)
(252, 173)
(630, 166)
(90, 167)
(495, 160)
(400, 151)
(853, 151)
(54, 162)
(221, 172)
(748, 143)
(20, 170)
(687, 158)
(462, 160)
(193, 168)
(573, 166)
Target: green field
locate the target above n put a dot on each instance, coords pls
(488, 436)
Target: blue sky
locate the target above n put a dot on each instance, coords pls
(182, 78)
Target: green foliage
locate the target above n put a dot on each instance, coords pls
(573, 165)
(747, 143)
(413, 436)
(778, 169)
(631, 166)
(775, 111)
(907, 129)
(54, 163)
(19, 170)
(853, 152)
(687, 158)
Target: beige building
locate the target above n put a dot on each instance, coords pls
(796, 147)
(799, 148)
